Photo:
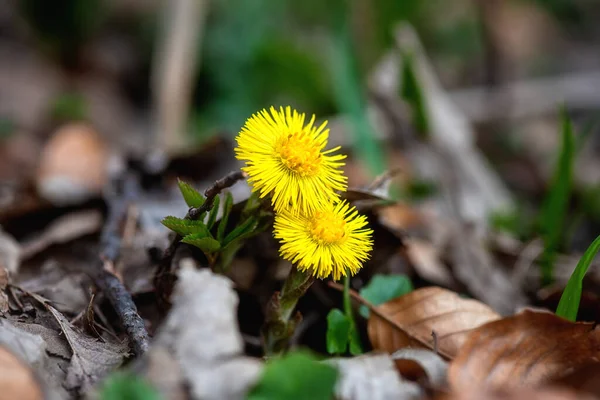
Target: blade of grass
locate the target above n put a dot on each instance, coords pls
(348, 91)
(555, 206)
(569, 301)
(411, 92)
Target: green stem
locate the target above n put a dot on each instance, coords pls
(355, 347)
(280, 323)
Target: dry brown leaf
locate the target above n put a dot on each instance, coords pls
(17, 381)
(91, 358)
(409, 320)
(523, 350)
(550, 393)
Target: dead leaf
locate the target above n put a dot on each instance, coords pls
(92, 359)
(72, 165)
(584, 379)
(201, 333)
(521, 394)
(425, 259)
(31, 349)
(523, 350)
(409, 320)
(10, 252)
(372, 377)
(64, 229)
(16, 379)
(4, 306)
(422, 366)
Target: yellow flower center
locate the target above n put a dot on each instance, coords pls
(300, 153)
(327, 228)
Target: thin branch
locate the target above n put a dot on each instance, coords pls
(103, 274)
(373, 309)
(163, 278)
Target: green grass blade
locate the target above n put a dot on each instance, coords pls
(556, 204)
(411, 92)
(349, 94)
(569, 301)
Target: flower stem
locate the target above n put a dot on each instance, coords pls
(279, 323)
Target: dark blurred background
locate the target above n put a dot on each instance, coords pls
(149, 74)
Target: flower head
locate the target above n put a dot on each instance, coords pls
(331, 241)
(286, 158)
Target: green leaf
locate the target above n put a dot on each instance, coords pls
(556, 203)
(127, 387)
(355, 345)
(212, 216)
(296, 376)
(338, 332)
(569, 301)
(383, 288)
(192, 197)
(185, 227)
(241, 231)
(228, 204)
(411, 92)
(205, 243)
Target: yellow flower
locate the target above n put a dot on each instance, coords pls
(331, 241)
(286, 159)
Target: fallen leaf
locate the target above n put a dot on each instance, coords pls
(64, 229)
(92, 359)
(202, 333)
(425, 259)
(521, 394)
(372, 377)
(72, 165)
(10, 252)
(4, 306)
(421, 365)
(409, 320)
(523, 350)
(31, 349)
(17, 381)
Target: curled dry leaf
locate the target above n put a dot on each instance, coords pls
(372, 377)
(409, 320)
(17, 381)
(422, 366)
(523, 350)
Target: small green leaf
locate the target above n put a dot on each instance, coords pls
(569, 301)
(246, 229)
(228, 204)
(192, 197)
(212, 215)
(205, 243)
(555, 206)
(127, 387)
(338, 332)
(296, 376)
(383, 288)
(185, 227)
(355, 345)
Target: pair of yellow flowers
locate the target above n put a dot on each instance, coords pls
(287, 160)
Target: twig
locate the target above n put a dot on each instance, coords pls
(103, 275)
(373, 309)
(163, 278)
(175, 67)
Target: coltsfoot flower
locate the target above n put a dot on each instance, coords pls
(330, 241)
(286, 159)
